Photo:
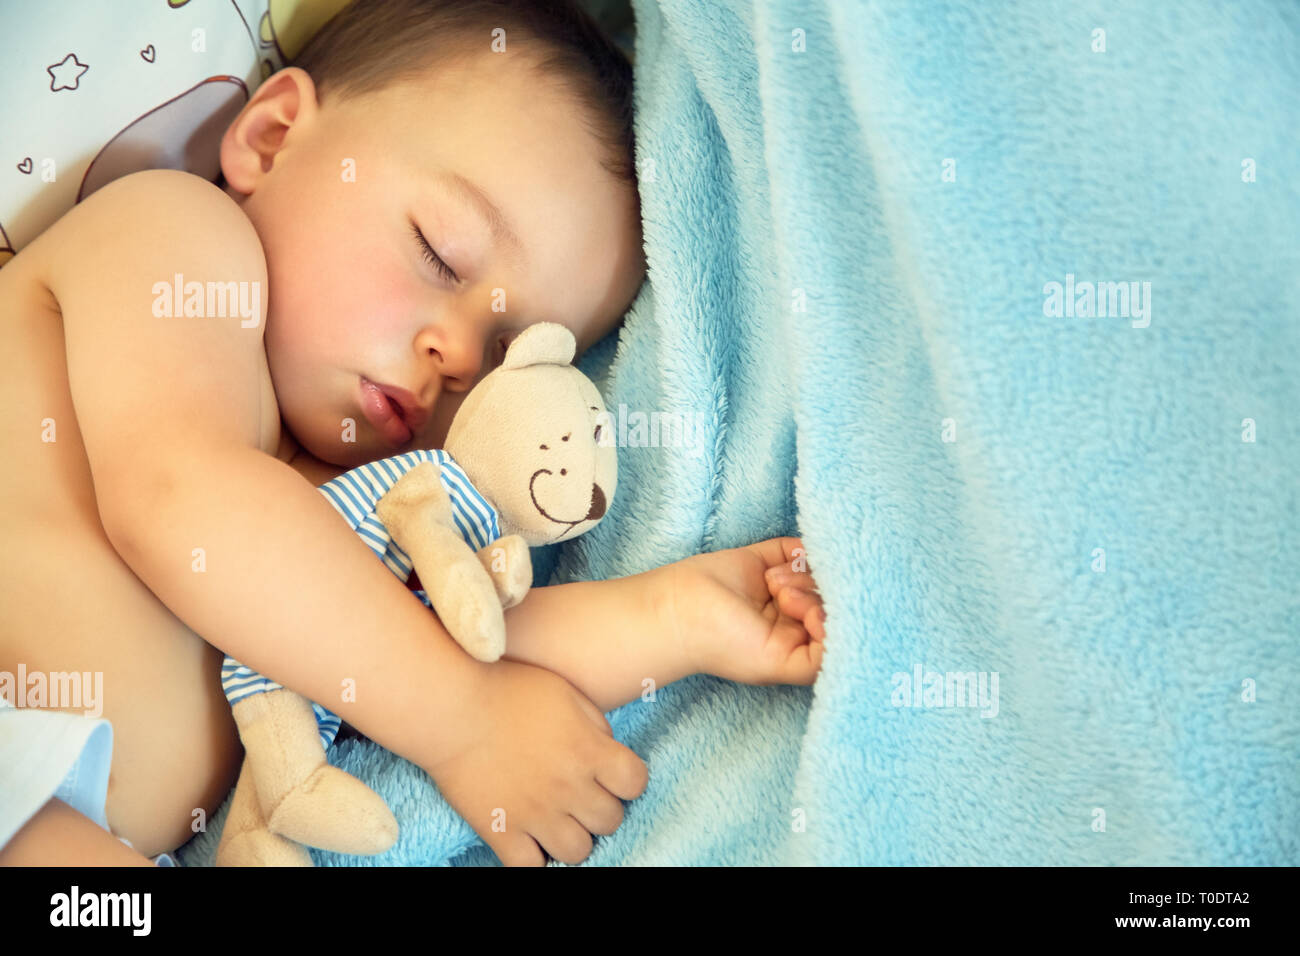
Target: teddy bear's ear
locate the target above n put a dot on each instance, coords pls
(546, 343)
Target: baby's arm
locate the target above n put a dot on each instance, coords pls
(750, 614)
(610, 639)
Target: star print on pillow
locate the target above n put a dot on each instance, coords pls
(66, 74)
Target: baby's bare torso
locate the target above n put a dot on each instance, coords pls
(71, 604)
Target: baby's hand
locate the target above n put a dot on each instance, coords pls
(537, 767)
(750, 614)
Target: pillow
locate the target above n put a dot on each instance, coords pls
(94, 91)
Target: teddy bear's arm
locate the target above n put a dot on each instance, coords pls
(509, 563)
(418, 515)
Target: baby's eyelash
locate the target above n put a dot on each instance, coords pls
(432, 257)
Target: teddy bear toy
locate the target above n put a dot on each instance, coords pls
(529, 460)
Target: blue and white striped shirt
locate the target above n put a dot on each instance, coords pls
(354, 495)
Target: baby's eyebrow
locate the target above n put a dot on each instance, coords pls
(486, 208)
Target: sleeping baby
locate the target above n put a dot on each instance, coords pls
(400, 204)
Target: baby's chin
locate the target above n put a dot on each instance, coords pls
(345, 444)
(350, 458)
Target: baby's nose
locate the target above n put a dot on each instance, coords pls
(459, 363)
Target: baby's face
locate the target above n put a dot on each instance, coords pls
(361, 316)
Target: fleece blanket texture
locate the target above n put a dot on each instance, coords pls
(997, 307)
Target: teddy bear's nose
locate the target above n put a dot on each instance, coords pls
(597, 504)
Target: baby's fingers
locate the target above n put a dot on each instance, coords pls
(801, 658)
(783, 556)
(803, 606)
(781, 575)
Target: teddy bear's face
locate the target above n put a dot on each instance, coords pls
(536, 442)
(567, 461)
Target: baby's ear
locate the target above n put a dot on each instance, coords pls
(546, 343)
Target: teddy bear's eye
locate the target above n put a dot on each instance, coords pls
(543, 447)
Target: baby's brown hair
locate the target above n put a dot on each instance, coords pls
(372, 43)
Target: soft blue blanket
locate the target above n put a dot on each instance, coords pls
(1081, 496)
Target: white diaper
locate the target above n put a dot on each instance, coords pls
(49, 753)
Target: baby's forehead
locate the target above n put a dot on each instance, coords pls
(477, 72)
(481, 107)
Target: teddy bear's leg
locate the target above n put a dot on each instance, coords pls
(509, 563)
(245, 839)
(300, 795)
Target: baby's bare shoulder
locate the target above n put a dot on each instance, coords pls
(160, 279)
(157, 221)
